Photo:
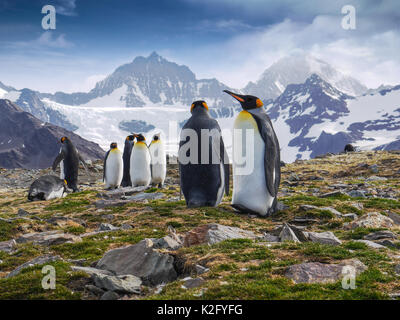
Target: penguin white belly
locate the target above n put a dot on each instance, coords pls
(114, 169)
(158, 162)
(55, 194)
(140, 165)
(249, 188)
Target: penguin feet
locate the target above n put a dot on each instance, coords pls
(243, 209)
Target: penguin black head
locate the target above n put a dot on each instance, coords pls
(113, 145)
(198, 104)
(248, 102)
(64, 139)
(140, 137)
(130, 137)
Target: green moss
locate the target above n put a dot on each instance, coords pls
(379, 203)
(68, 206)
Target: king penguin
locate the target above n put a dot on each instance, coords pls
(113, 167)
(68, 158)
(140, 162)
(158, 161)
(129, 143)
(256, 179)
(203, 161)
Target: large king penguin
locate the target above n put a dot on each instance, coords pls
(68, 158)
(203, 161)
(129, 143)
(158, 161)
(255, 179)
(140, 162)
(113, 167)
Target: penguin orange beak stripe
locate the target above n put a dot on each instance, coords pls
(234, 95)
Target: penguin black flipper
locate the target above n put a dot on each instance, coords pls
(57, 160)
(272, 154)
(225, 161)
(104, 166)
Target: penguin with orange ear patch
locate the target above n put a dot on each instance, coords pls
(256, 180)
(140, 162)
(203, 161)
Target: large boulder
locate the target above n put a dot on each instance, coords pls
(141, 260)
(371, 220)
(213, 233)
(316, 272)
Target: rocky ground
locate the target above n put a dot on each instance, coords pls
(339, 216)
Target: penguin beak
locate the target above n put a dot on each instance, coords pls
(238, 97)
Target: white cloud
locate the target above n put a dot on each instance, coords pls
(44, 41)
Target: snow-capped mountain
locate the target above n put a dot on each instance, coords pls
(313, 113)
(296, 69)
(148, 81)
(315, 118)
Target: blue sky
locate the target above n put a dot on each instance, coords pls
(231, 40)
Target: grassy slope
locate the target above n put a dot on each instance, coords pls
(240, 269)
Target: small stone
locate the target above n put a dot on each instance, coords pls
(395, 217)
(397, 269)
(356, 194)
(388, 243)
(371, 244)
(109, 295)
(374, 168)
(167, 242)
(308, 207)
(107, 227)
(293, 177)
(200, 269)
(386, 234)
(270, 237)
(376, 178)
(287, 234)
(324, 238)
(146, 196)
(191, 283)
(126, 226)
(331, 194)
(280, 206)
(351, 216)
(121, 283)
(7, 246)
(22, 213)
(91, 271)
(48, 238)
(333, 211)
(95, 290)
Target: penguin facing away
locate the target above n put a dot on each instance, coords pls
(255, 191)
(113, 167)
(129, 143)
(158, 164)
(68, 158)
(203, 166)
(140, 162)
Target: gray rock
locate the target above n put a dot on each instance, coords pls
(303, 220)
(333, 211)
(7, 246)
(352, 216)
(140, 260)
(107, 227)
(110, 295)
(308, 207)
(357, 205)
(126, 226)
(386, 234)
(213, 233)
(92, 271)
(37, 261)
(388, 243)
(280, 206)
(316, 272)
(331, 194)
(146, 196)
(356, 194)
(287, 234)
(270, 237)
(395, 217)
(200, 269)
(371, 244)
(95, 290)
(371, 220)
(48, 238)
(374, 168)
(190, 283)
(397, 269)
(22, 213)
(293, 177)
(101, 204)
(121, 284)
(376, 178)
(167, 242)
(324, 237)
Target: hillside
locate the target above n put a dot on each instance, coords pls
(27, 142)
(336, 210)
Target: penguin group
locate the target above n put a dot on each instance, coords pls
(138, 165)
(203, 160)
